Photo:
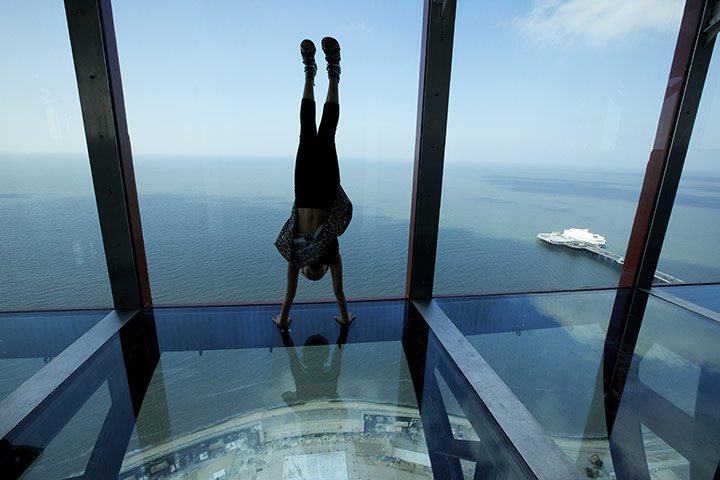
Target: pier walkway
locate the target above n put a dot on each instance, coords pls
(601, 252)
(661, 276)
(605, 253)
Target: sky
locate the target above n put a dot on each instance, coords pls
(555, 82)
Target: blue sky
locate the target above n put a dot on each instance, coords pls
(548, 81)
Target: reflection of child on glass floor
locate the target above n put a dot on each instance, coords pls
(313, 380)
(322, 210)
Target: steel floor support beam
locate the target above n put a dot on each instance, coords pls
(415, 345)
(706, 433)
(112, 441)
(533, 449)
(128, 386)
(39, 388)
(436, 425)
(38, 428)
(492, 444)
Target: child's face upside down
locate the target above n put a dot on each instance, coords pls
(314, 271)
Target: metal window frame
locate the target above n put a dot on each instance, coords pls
(664, 168)
(433, 98)
(97, 68)
(677, 117)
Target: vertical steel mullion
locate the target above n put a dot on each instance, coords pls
(97, 68)
(662, 175)
(433, 95)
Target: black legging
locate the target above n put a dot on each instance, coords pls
(317, 175)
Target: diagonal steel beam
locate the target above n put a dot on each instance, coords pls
(38, 410)
(662, 177)
(677, 117)
(128, 387)
(39, 388)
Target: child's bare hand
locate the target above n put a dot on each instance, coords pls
(277, 320)
(345, 321)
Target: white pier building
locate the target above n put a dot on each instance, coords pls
(584, 239)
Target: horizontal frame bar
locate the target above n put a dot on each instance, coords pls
(526, 292)
(274, 302)
(663, 294)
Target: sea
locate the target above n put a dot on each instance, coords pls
(209, 225)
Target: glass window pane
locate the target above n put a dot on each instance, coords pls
(213, 99)
(50, 244)
(552, 116)
(690, 248)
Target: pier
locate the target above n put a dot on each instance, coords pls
(563, 240)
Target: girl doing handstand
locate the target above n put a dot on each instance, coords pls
(322, 211)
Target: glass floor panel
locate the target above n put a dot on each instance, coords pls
(58, 440)
(668, 420)
(30, 340)
(242, 397)
(548, 348)
(221, 392)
